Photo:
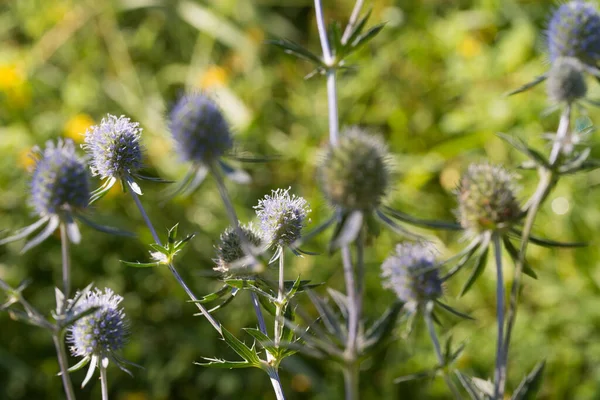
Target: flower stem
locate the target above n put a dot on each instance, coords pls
(178, 277)
(351, 381)
(66, 266)
(499, 372)
(278, 326)
(103, 382)
(351, 369)
(438, 351)
(276, 382)
(259, 315)
(59, 344)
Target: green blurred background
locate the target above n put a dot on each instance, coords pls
(432, 83)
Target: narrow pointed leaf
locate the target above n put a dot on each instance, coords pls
(468, 385)
(530, 385)
(216, 363)
(265, 341)
(381, 330)
(431, 224)
(519, 145)
(48, 230)
(364, 38)
(514, 254)
(478, 268)
(24, 232)
(397, 228)
(328, 316)
(454, 311)
(295, 49)
(138, 264)
(102, 228)
(528, 86)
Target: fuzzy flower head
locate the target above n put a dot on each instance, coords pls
(282, 217)
(101, 333)
(487, 199)
(230, 253)
(60, 180)
(574, 31)
(355, 174)
(199, 129)
(566, 82)
(410, 272)
(114, 147)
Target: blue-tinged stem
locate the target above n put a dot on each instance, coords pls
(259, 315)
(499, 372)
(63, 362)
(103, 382)
(66, 265)
(351, 369)
(178, 277)
(438, 352)
(352, 21)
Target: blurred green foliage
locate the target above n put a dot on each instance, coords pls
(432, 83)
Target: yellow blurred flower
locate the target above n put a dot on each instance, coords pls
(76, 126)
(14, 84)
(25, 160)
(213, 76)
(469, 47)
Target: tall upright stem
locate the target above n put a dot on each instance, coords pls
(66, 265)
(351, 368)
(259, 315)
(278, 327)
(500, 361)
(103, 382)
(438, 351)
(178, 277)
(59, 345)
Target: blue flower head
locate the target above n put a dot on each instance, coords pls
(114, 147)
(199, 129)
(99, 336)
(282, 217)
(410, 272)
(574, 31)
(60, 181)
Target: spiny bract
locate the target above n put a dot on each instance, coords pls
(410, 272)
(486, 199)
(60, 180)
(355, 174)
(114, 147)
(230, 251)
(282, 217)
(199, 129)
(574, 31)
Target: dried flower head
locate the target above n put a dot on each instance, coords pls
(566, 82)
(114, 147)
(200, 131)
(410, 272)
(60, 181)
(487, 199)
(230, 253)
(97, 337)
(574, 31)
(282, 217)
(355, 174)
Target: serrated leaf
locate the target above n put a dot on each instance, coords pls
(530, 385)
(138, 264)
(295, 49)
(478, 268)
(240, 348)
(265, 341)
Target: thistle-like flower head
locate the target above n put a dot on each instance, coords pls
(199, 129)
(487, 199)
(574, 31)
(100, 335)
(355, 174)
(410, 272)
(230, 253)
(60, 180)
(282, 217)
(104, 331)
(566, 82)
(114, 147)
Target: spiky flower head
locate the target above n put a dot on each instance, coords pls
(199, 129)
(566, 82)
(574, 31)
(230, 252)
(60, 181)
(410, 272)
(355, 174)
(487, 199)
(114, 147)
(282, 217)
(104, 331)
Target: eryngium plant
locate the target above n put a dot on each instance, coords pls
(99, 336)
(487, 199)
(231, 261)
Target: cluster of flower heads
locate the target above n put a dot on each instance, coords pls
(114, 147)
(355, 174)
(199, 129)
(230, 259)
(487, 199)
(60, 181)
(411, 273)
(282, 217)
(100, 335)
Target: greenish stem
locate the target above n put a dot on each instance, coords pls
(438, 351)
(59, 344)
(279, 323)
(103, 382)
(499, 372)
(178, 277)
(66, 265)
(352, 380)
